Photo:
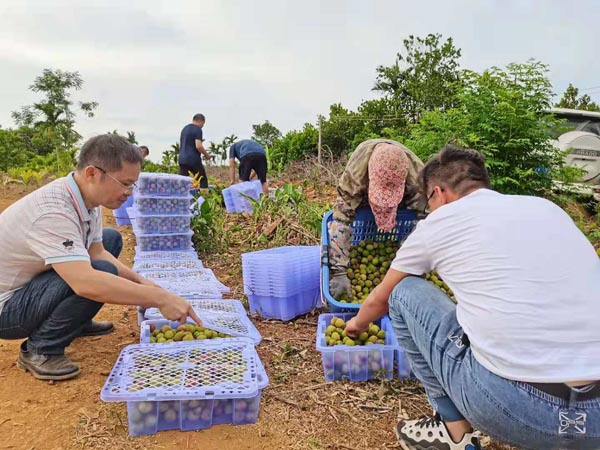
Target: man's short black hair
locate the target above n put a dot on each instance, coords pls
(108, 151)
(458, 169)
(199, 118)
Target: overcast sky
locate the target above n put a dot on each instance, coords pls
(152, 64)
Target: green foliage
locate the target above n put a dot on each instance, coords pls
(266, 134)
(424, 77)
(207, 224)
(288, 218)
(13, 151)
(501, 114)
(295, 145)
(53, 116)
(570, 100)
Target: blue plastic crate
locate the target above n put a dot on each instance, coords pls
(232, 324)
(164, 184)
(281, 271)
(363, 227)
(361, 362)
(164, 242)
(218, 305)
(284, 308)
(156, 205)
(187, 385)
(121, 215)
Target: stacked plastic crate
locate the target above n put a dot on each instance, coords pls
(282, 283)
(235, 196)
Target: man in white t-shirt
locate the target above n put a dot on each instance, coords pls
(518, 357)
(59, 267)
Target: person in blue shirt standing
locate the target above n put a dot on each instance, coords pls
(252, 156)
(191, 148)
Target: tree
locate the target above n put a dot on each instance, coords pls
(130, 136)
(54, 116)
(294, 145)
(13, 151)
(222, 148)
(500, 113)
(570, 100)
(425, 77)
(266, 134)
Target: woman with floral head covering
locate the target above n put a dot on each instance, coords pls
(382, 174)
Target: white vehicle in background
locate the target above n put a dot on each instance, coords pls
(583, 141)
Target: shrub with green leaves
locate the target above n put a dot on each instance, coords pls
(501, 114)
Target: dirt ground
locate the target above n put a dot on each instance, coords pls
(298, 410)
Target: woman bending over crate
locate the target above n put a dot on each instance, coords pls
(383, 174)
(518, 356)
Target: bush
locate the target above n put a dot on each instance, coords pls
(501, 114)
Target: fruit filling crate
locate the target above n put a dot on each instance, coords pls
(185, 288)
(204, 305)
(163, 184)
(187, 385)
(372, 358)
(214, 325)
(161, 206)
(363, 228)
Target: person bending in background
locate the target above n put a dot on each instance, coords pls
(191, 149)
(252, 157)
(382, 174)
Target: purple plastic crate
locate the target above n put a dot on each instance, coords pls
(235, 199)
(165, 242)
(187, 385)
(156, 206)
(163, 184)
(162, 224)
(198, 277)
(281, 271)
(166, 264)
(168, 255)
(284, 308)
(357, 363)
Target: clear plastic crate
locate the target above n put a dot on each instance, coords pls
(156, 206)
(203, 304)
(165, 242)
(357, 363)
(196, 276)
(363, 227)
(284, 308)
(232, 324)
(163, 184)
(235, 196)
(187, 385)
(281, 271)
(165, 255)
(166, 265)
(162, 224)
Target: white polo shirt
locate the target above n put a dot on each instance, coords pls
(526, 280)
(48, 226)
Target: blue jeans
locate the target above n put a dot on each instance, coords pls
(424, 320)
(48, 312)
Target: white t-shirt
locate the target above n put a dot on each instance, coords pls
(526, 280)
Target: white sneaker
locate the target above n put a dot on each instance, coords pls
(430, 433)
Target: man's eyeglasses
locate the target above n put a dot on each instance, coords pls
(427, 202)
(127, 187)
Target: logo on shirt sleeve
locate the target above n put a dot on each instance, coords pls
(68, 244)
